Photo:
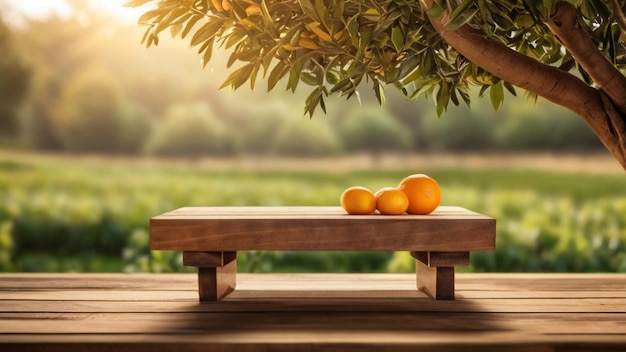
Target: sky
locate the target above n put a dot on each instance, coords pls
(39, 9)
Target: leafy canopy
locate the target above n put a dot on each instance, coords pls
(333, 46)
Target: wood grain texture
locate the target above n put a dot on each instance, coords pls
(448, 229)
(447, 259)
(436, 282)
(327, 312)
(208, 259)
(214, 283)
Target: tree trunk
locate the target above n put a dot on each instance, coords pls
(595, 106)
(608, 80)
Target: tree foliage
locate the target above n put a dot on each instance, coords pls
(570, 52)
(334, 45)
(15, 75)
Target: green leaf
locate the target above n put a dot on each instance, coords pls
(440, 109)
(294, 76)
(208, 52)
(312, 101)
(293, 36)
(243, 55)
(510, 88)
(332, 76)
(234, 37)
(485, 13)
(337, 10)
(397, 38)
(343, 85)
(146, 34)
(171, 18)
(320, 9)
(267, 58)
(465, 96)
(454, 98)
(254, 74)
(379, 92)
(353, 29)
(443, 97)
(408, 71)
(322, 104)
(310, 78)
(388, 21)
(364, 41)
(461, 15)
(207, 31)
(238, 77)
(426, 66)
(189, 25)
(524, 21)
(496, 95)
(435, 11)
(309, 9)
(276, 74)
(148, 16)
(483, 89)
(422, 87)
(175, 29)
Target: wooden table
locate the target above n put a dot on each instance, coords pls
(210, 237)
(312, 312)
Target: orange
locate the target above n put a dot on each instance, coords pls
(358, 200)
(423, 192)
(391, 201)
(226, 5)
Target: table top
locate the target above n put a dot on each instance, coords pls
(147, 312)
(447, 229)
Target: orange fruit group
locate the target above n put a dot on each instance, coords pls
(391, 201)
(423, 193)
(358, 200)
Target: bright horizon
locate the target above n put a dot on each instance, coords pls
(38, 9)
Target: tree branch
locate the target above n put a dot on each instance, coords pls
(522, 71)
(564, 24)
(616, 122)
(544, 80)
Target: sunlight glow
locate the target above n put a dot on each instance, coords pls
(38, 9)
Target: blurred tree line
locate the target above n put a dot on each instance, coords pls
(85, 84)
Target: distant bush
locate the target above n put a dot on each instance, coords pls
(374, 130)
(322, 261)
(6, 245)
(409, 115)
(309, 138)
(38, 128)
(138, 125)
(459, 129)
(255, 127)
(190, 130)
(544, 128)
(90, 118)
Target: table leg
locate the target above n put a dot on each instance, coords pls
(435, 272)
(217, 273)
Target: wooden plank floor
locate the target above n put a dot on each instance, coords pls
(312, 312)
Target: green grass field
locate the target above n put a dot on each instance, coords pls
(91, 213)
